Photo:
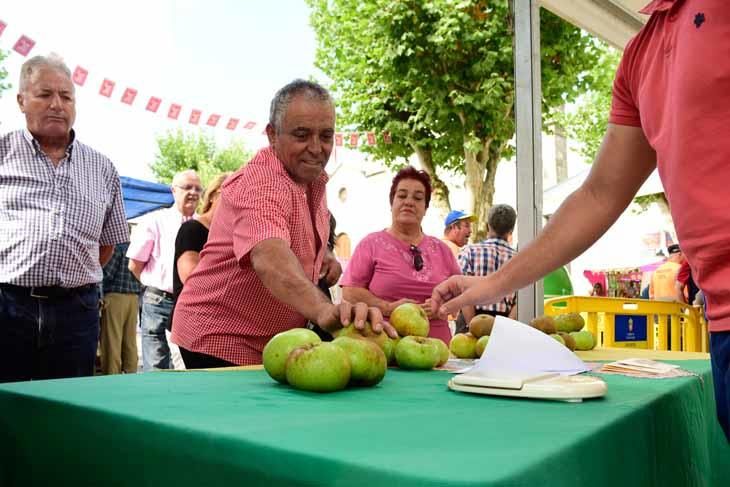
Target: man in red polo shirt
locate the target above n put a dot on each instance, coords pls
(267, 247)
(671, 110)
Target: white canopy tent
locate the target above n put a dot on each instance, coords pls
(615, 21)
(554, 196)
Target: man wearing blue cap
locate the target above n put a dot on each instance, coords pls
(457, 230)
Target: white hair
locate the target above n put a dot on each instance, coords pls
(53, 61)
(177, 178)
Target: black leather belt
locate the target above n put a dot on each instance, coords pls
(159, 292)
(47, 292)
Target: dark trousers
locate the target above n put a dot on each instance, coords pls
(47, 337)
(720, 354)
(195, 360)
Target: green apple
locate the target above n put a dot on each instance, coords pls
(584, 340)
(568, 322)
(481, 325)
(409, 319)
(277, 350)
(389, 350)
(319, 367)
(463, 345)
(417, 353)
(568, 339)
(350, 331)
(443, 351)
(367, 361)
(481, 345)
(545, 324)
(395, 341)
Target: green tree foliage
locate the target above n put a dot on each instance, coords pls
(178, 151)
(586, 122)
(438, 76)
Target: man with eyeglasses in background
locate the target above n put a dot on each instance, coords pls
(151, 256)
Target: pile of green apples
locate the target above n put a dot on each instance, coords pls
(414, 350)
(300, 358)
(566, 328)
(473, 343)
(356, 357)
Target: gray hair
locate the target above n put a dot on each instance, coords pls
(53, 61)
(178, 177)
(284, 96)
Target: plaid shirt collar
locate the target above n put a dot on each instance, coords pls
(36, 147)
(497, 240)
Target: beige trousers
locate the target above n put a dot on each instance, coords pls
(118, 343)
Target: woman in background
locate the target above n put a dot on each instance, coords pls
(192, 235)
(401, 264)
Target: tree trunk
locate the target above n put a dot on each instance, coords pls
(561, 151)
(440, 194)
(480, 176)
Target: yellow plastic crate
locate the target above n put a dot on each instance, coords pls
(637, 323)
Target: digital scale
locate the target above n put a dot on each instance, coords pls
(551, 386)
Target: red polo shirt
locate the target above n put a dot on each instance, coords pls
(674, 83)
(224, 309)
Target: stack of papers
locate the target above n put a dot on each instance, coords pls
(521, 361)
(517, 348)
(642, 367)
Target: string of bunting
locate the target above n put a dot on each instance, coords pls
(24, 45)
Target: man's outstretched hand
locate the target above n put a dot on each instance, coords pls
(457, 292)
(335, 316)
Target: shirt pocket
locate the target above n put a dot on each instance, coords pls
(90, 217)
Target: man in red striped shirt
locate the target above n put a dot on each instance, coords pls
(267, 247)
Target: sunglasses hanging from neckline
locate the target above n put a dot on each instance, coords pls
(417, 258)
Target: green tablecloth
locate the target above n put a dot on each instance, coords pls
(240, 428)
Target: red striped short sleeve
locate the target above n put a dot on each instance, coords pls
(261, 213)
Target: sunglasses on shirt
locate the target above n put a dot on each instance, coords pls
(417, 258)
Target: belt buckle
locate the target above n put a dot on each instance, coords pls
(34, 295)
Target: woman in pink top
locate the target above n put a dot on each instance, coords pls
(400, 264)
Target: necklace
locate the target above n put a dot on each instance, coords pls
(408, 239)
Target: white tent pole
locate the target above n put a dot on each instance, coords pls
(528, 121)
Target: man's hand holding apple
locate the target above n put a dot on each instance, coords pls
(335, 316)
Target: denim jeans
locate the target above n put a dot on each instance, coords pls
(48, 338)
(155, 320)
(720, 354)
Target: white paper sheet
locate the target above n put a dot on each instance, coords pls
(516, 349)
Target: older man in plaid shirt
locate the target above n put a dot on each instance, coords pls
(62, 213)
(488, 256)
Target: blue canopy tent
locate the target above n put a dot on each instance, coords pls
(141, 197)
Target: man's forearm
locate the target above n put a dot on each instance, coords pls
(282, 274)
(623, 164)
(136, 267)
(679, 292)
(105, 254)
